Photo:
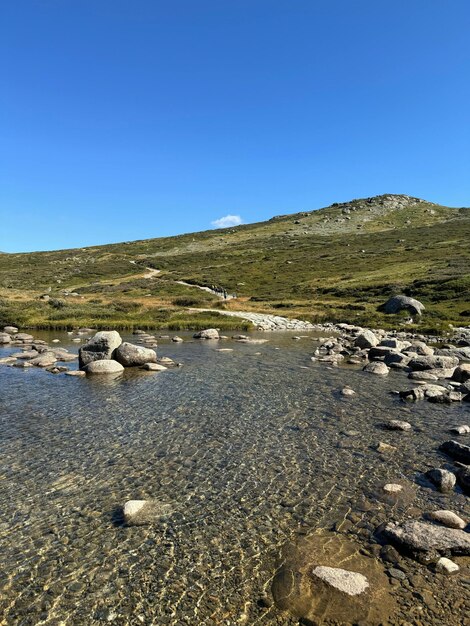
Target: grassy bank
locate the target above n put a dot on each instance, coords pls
(336, 264)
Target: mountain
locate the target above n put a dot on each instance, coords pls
(338, 263)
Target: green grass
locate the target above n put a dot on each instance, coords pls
(315, 265)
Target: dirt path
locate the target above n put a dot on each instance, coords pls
(208, 289)
(264, 321)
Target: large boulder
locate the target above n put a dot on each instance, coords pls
(366, 339)
(11, 330)
(5, 338)
(130, 355)
(209, 333)
(433, 362)
(100, 347)
(462, 373)
(396, 304)
(104, 366)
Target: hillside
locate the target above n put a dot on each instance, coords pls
(338, 263)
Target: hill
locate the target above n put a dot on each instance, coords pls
(338, 263)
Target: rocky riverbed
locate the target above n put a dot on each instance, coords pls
(262, 461)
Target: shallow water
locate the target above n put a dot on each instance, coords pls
(252, 448)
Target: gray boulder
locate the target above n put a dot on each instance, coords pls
(457, 451)
(366, 339)
(11, 330)
(396, 304)
(130, 355)
(442, 478)
(103, 366)
(422, 537)
(462, 373)
(431, 362)
(46, 359)
(376, 367)
(209, 333)
(5, 338)
(100, 347)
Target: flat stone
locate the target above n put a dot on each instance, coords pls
(392, 488)
(398, 425)
(385, 448)
(78, 373)
(351, 583)
(142, 512)
(154, 367)
(423, 537)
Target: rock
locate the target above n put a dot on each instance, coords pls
(392, 488)
(26, 354)
(396, 358)
(464, 429)
(142, 512)
(457, 451)
(103, 366)
(65, 357)
(24, 337)
(130, 355)
(44, 360)
(78, 373)
(463, 476)
(347, 391)
(7, 360)
(351, 583)
(396, 304)
(422, 537)
(366, 339)
(11, 330)
(419, 347)
(154, 367)
(5, 338)
(448, 518)
(376, 367)
(176, 339)
(398, 425)
(432, 362)
(209, 333)
(100, 347)
(446, 566)
(461, 373)
(433, 391)
(379, 353)
(396, 344)
(412, 395)
(423, 375)
(385, 448)
(442, 478)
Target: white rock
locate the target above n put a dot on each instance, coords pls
(464, 429)
(347, 391)
(393, 488)
(351, 583)
(446, 566)
(154, 367)
(448, 518)
(104, 366)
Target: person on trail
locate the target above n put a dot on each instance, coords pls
(225, 295)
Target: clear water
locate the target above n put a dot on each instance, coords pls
(252, 448)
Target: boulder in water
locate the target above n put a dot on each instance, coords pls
(100, 347)
(130, 355)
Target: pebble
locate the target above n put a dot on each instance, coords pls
(463, 429)
(448, 518)
(393, 488)
(398, 425)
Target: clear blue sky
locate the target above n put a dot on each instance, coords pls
(129, 119)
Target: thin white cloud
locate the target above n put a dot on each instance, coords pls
(227, 221)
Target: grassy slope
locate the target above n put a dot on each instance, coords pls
(338, 263)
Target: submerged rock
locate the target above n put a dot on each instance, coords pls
(312, 588)
(129, 355)
(100, 347)
(142, 512)
(398, 425)
(154, 367)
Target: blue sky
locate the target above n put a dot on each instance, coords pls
(129, 119)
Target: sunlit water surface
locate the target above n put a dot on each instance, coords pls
(251, 447)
